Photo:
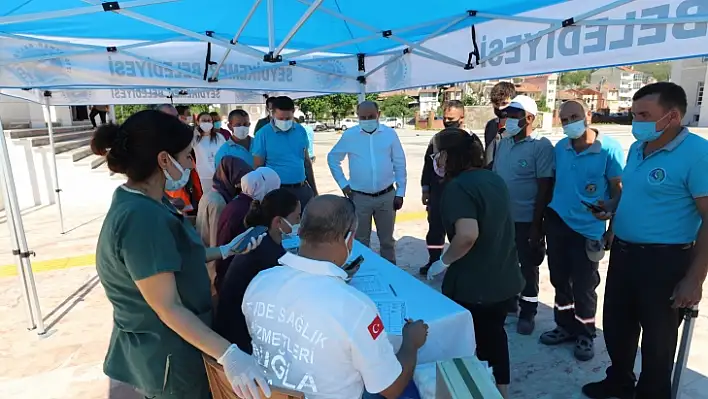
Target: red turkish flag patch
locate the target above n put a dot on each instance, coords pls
(376, 327)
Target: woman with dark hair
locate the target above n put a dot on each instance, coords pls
(280, 213)
(206, 143)
(151, 264)
(483, 272)
(227, 185)
(218, 125)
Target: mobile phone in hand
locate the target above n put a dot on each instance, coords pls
(353, 267)
(593, 207)
(255, 232)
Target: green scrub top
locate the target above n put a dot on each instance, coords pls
(140, 238)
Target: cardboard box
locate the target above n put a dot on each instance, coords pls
(464, 378)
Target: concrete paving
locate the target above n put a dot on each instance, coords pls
(67, 361)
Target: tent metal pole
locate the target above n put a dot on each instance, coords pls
(31, 325)
(55, 173)
(245, 22)
(271, 26)
(112, 113)
(361, 97)
(689, 317)
(297, 26)
(95, 9)
(13, 209)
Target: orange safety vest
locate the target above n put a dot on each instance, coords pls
(190, 194)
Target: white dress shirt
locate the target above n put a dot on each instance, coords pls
(326, 349)
(376, 160)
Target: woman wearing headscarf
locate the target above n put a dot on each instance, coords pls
(482, 266)
(227, 185)
(206, 143)
(254, 186)
(150, 260)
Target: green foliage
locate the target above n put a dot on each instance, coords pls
(336, 106)
(396, 106)
(660, 71)
(541, 104)
(471, 100)
(123, 112)
(575, 78)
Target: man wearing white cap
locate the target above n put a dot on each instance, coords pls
(526, 163)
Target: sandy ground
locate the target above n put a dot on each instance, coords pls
(67, 361)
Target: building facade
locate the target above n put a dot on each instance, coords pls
(691, 74)
(625, 79)
(20, 113)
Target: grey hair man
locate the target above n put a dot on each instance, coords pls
(341, 344)
(168, 109)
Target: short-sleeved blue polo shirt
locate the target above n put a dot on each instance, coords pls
(585, 176)
(231, 149)
(659, 191)
(521, 164)
(284, 152)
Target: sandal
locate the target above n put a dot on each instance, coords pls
(556, 336)
(584, 348)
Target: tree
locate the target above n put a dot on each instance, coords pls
(541, 104)
(472, 100)
(315, 107)
(123, 112)
(336, 106)
(575, 78)
(396, 106)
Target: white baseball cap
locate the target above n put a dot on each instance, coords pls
(526, 103)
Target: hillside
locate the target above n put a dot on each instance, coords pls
(660, 70)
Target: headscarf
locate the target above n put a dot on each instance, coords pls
(227, 179)
(260, 182)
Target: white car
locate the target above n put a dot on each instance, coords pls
(346, 123)
(391, 122)
(316, 126)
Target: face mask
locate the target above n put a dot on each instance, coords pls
(241, 132)
(369, 125)
(206, 126)
(294, 228)
(217, 125)
(646, 131)
(448, 124)
(512, 127)
(349, 250)
(439, 170)
(283, 125)
(171, 184)
(575, 129)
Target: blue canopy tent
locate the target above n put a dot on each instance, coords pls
(321, 46)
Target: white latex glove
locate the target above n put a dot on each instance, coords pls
(436, 268)
(230, 248)
(243, 373)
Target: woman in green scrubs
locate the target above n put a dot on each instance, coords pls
(151, 263)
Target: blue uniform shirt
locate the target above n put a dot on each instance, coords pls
(310, 140)
(658, 195)
(585, 176)
(284, 152)
(231, 149)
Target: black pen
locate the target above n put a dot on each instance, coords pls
(392, 290)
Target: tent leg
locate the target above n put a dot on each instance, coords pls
(112, 113)
(362, 93)
(689, 317)
(55, 173)
(13, 212)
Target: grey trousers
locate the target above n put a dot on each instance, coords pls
(381, 210)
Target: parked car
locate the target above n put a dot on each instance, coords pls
(316, 126)
(391, 122)
(346, 123)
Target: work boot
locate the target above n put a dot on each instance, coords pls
(525, 325)
(424, 270)
(584, 348)
(556, 336)
(606, 389)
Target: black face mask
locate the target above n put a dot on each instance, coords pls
(449, 124)
(499, 113)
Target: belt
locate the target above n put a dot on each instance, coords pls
(625, 244)
(376, 194)
(294, 185)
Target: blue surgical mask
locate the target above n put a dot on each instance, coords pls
(575, 129)
(170, 183)
(283, 125)
(646, 131)
(217, 125)
(511, 127)
(369, 125)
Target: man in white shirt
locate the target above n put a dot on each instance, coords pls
(377, 175)
(314, 333)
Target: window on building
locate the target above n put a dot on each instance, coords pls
(637, 85)
(696, 117)
(699, 94)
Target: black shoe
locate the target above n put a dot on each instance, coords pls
(525, 325)
(424, 270)
(605, 389)
(584, 348)
(556, 336)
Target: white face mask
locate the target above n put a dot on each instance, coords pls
(241, 132)
(206, 126)
(512, 127)
(369, 125)
(294, 228)
(283, 125)
(170, 183)
(349, 250)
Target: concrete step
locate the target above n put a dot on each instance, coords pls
(92, 161)
(77, 154)
(60, 148)
(40, 132)
(103, 170)
(61, 137)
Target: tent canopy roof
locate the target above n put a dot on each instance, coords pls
(224, 18)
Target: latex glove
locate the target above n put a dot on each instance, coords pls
(230, 248)
(243, 373)
(436, 268)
